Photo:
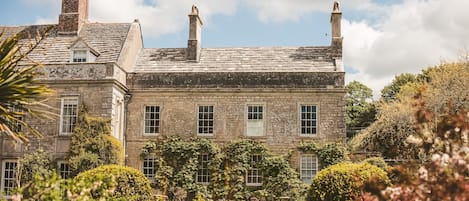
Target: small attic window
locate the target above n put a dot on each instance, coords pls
(79, 56)
(81, 52)
(82, 56)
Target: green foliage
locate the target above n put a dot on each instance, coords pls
(178, 164)
(389, 92)
(20, 94)
(34, 163)
(445, 93)
(359, 107)
(237, 161)
(281, 180)
(54, 188)
(92, 145)
(116, 183)
(328, 154)
(376, 161)
(389, 133)
(42, 187)
(344, 181)
(443, 135)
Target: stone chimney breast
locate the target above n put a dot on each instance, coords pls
(74, 14)
(194, 41)
(336, 17)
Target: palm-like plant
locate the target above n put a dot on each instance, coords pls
(20, 94)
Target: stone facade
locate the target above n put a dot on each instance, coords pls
(123, 77)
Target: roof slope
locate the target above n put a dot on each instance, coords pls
(106, 38)
(250, 59)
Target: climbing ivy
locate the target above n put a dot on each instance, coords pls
(328, 154)
(178, 162)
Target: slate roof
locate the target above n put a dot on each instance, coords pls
(249, 59)
(106, 38)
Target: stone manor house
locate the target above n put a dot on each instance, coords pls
(279, 96)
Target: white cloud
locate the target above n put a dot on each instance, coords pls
(414, 35)
(161, 16)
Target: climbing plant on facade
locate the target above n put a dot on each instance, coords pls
(237, 171)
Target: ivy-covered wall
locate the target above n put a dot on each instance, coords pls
(178, 162)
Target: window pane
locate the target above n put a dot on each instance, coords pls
(308, 119)
(254, 174)
(9, 177)
(203, 173)
(308, 168)
(206, 117)
(152, 119)
(148, 167)
(69, 111)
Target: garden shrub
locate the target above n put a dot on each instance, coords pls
(92, 144)
(344, 181)
(118, 182)
(376, 161)
(34, 163)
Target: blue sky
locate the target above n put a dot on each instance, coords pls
(382, 38)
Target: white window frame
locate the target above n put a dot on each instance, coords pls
(210, 128)
(254, 174)
(156, 121)
(312, 167)
(148, 167)
(73, 100)
(4, 179)
(81, 53)
(203, 172)
(89, 56)
(255, 117)
(315, 120)
(64, 173)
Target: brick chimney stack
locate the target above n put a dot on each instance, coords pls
(194, 42)
(74, 15)
(336, 17)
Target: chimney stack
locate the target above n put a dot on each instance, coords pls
(194, 42)
(336, 17)
(74, 15)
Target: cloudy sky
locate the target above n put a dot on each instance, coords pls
(382, 38)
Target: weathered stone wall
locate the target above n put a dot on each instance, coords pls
(236, 80)
(281, 121)
(84, 72)
(97, 96)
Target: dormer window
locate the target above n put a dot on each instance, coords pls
(81, 52)
(79, 56)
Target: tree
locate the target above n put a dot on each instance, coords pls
(390, 91)
(446, 175)
(388, 134)
(446, 86)
(20, 94)
(360, 110)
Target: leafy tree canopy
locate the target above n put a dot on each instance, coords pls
(390, 91)
(360, 109)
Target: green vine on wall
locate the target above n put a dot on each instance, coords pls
(328, 154)
(178, 162)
